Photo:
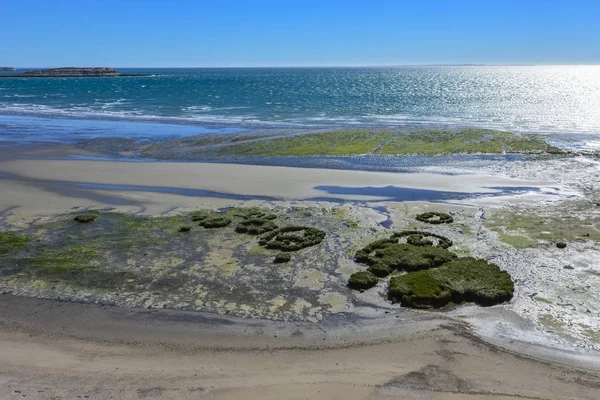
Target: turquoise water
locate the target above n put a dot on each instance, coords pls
(553, 99)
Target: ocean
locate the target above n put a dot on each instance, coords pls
(180, 102)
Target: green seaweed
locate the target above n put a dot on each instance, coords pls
(434, 217)
(86, 218)
(419, 289)
(255, 226)
(380, 270)
(462, 280)
(362, 280)
(281, 258)
(11, 242)
(405, 256)
(424, 142)
(292, 238)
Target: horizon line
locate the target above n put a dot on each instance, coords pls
(339, 65)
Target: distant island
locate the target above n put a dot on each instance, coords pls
(66, 72)
(7, 69)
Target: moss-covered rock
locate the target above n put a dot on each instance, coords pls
(422, 238)
(185, 228)
(200, 215)
(462, 280)
(292, 238)
(419, 289)
(256, 226)
(362, 280)
(281, 258)
(86, 218)
(476, 281)
(433, 217)
(561, 245)
(381, 270)
(12, 242)
(255, 212)
(402, 256)
(406, 257)
(210, 219)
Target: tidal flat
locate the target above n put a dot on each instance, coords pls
(144, 250)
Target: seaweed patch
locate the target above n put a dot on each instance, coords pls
(434, 217)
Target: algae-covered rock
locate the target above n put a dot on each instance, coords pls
(462, 280)
(185, 228)
(292, 238)
(380, 269)
(403, 256)
(476, 281)
(419, 289)
(561, 245)
(362, 280)
(86, 218)
(434, 217)
(281, 258)
(422, 238)
(255, 226)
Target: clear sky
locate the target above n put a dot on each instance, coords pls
(44, 33)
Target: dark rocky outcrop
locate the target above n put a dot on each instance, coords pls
(70, 72)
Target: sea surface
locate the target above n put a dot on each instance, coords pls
(540, 99)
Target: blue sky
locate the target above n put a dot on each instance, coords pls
(42, 33)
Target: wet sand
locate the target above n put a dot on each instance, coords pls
(59, 350)
(57, 185)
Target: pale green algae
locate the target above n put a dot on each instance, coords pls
(571, 221)
(424, 142)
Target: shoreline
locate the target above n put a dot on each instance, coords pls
(171, 356)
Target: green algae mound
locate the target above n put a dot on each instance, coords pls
(292, 238)
(210, 219)
(255, 226)
(86, 218)
(386, 255)
(421, 238)
(281, 258)
(434, 217)
(362, 280)
(464, 279)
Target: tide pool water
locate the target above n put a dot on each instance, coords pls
(547, 99)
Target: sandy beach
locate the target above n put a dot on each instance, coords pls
(57, 350)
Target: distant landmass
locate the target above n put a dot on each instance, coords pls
(66, 72)
(7, 69)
